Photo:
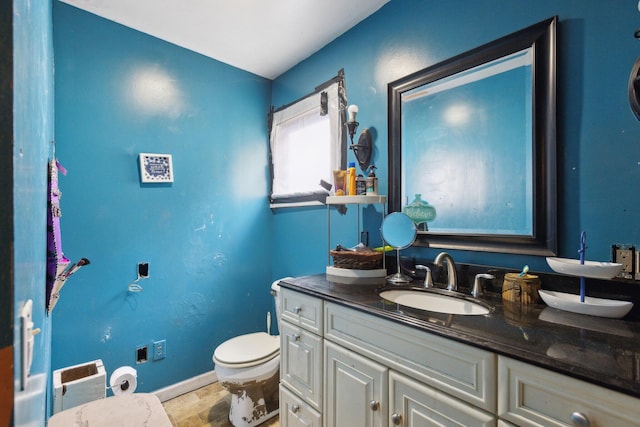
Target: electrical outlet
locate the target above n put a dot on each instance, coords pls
(625, 255)
(142, 354)
(159, 349)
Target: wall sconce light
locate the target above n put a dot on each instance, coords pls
(362, 150)
(352, 125)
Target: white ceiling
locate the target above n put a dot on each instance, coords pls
(265, 37)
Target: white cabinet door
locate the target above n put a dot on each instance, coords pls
(294, 412)
(301, 363)
(355, 389)
(414, 404)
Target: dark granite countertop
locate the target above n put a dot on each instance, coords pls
(602, 351)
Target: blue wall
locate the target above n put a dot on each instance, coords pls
(211, 241)
(207, 237)
(33, 131)
(598, 150)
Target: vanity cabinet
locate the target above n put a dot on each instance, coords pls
(533, 396)
(343, 367)
(350, 368)
(301, 371)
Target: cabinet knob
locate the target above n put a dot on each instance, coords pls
(578, 419)
(295, 337)
(396, 419)
(297, 310)
(374, 405)
(295, 408)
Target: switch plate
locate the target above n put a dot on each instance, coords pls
(159, 349)
(625, 255)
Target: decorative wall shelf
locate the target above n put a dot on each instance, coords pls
(353, 200)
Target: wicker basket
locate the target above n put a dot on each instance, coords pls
(357, 260)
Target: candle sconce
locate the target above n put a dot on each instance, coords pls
(362, 150)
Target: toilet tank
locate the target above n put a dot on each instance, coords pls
(275, 291)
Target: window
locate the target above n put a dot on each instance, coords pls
(306, 145)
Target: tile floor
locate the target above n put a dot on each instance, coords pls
(205, 407)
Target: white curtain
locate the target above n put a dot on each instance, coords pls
(306, 146)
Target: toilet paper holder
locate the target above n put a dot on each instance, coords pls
(123, 380)
(124, 385)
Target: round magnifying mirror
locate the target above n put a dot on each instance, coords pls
(399, 231)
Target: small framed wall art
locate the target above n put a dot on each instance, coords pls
(155, 168)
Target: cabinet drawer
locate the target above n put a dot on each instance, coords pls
(302, 310)
(301, 363)
(463, 371)
(415, 404)
(533, 396)
(294, 412)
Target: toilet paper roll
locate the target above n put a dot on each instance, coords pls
(123, 380)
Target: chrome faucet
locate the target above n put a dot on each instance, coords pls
(452, 279)
(478, 289)
(428, 280)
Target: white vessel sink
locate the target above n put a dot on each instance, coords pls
(593, 269)
(593, 306)
(434, 302)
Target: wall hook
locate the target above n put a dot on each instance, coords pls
(634, 86)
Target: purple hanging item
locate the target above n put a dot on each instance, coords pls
(56, 261)
(582, 250)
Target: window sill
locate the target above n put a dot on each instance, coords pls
(295, 204)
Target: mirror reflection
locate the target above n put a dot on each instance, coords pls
(473, 139)
(476, 175)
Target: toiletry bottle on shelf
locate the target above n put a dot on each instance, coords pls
(351, 174)
(361, 186)
(340, 182)
(372, 182)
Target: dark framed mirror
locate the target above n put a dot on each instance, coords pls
(473, 138)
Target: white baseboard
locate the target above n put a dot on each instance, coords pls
(191, 384)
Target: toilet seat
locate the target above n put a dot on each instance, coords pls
(247, 350)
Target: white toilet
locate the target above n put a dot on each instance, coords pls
(249, 367)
